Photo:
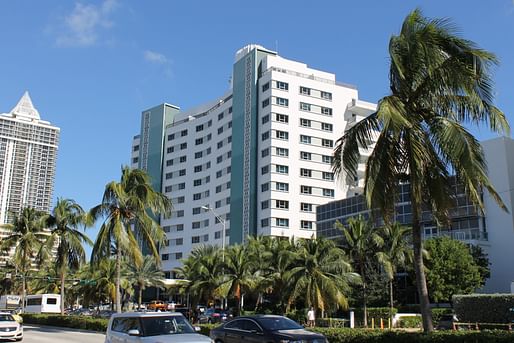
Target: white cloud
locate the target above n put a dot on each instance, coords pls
(155, 57)
(84, 24)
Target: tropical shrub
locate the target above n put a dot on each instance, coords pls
(76, 322)
(484, 308)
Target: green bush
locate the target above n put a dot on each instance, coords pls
(484, 308)
(409, 322)
(374, 312)
(438, 312)
(205, 329)
(76, 322)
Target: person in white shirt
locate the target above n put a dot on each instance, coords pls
(311, 317)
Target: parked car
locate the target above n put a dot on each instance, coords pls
(157, 305)
(213, 315)
(152, 328)
(264, 328)
(10, 328)
(446, 322)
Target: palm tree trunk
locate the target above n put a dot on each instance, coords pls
(62, 291)
(391, 300)
(364, 296)
(140, 297)
(421, 281)
(23, 291)
(118, 277)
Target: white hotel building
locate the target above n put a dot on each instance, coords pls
(259, 156)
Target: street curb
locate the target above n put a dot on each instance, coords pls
(63, 328)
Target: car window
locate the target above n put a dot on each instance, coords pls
(125, 324)
(250, 325)
(165, 325)
(6, 318)
(234, 324)
(279, 323)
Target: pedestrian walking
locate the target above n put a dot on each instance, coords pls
(311, 317)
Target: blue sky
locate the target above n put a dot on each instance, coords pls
(91, 67)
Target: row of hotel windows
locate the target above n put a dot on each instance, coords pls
(182, 186)
(199, 128)
(303, 90)
(284, 223)
(304, 139)
(195, 211)
(284, 204)
(199, 141)
(284, 118)
(304, 172)
(327, 111)
(304, 189)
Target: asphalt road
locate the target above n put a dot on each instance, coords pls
(47, 334)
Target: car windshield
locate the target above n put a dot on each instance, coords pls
(6, 318)
(165, 325)
(279, 323)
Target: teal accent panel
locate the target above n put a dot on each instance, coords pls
(238, 143)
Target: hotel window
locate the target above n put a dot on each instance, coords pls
(328, 192)
(305, 139)
(282, 152)
(265, 135)
(182, 185)
(265, 103)
(265, 86)
(305, 107)
(219, 159)
(218, 189)
(183, 133)
(220, 116)
(282, 118)
(135, 159)
(180, 200)
(265, 222)
(183, 159)
(305, 172)
(180, 227)
(326, 111)
(196, 225)
(265, 187)
(282, 134)
(328, 143)
(181, 172)
(305, 122)
(199, 128)
(264, 170)
(197, 196)
(264, 204)
(282, 204)
(197, 182)
(218, 204)
(328, 176)
(326, 95)
(282, 222)
(178, 256)
(282, 85)
(230, 109)
(326, 159)
(326, 127)
(282, 101)
(281, 169)
(197, 210)
(165, 257)
(170, 138)
(306, 207)
(180, 213)
(198, 169)
(170, 150)
(230, 124)
(265, 152)
(305, 155)
(209, 123)
(306, 189)
(305, 91)
(220, 144)
(265, 119)
(219, 174)
(282, 187)
(217, 235)
(199, 141)
(220, 130)
(198, 154)
(306, 225)
(195, 239)
(183, 146)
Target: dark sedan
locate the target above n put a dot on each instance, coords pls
(264, 328)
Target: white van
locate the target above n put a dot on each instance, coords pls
(43, 303)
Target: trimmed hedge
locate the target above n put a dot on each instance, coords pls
(410, 322)
(75, 322)
(484, 308)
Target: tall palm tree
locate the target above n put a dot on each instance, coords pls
(129, 207)
(361, 243)
(438, 82)
(66, 216)
(396, 252)
(239, 273)
(27, 236)
(322, 273)
(147, 274)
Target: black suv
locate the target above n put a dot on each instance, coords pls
(264, 328)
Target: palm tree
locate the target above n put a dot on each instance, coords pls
(396, 252)
(66, 216)
(322, 273)
(438, 82)
(129, 208)
(239, 273)
(46, 280)
(27, 236)
(147, 274)
(360, 240)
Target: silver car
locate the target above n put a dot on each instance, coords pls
(152, 327)
(10, 328)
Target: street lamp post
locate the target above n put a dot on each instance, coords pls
(222, 221)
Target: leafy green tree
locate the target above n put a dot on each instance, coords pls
(438, 82)
(482, 261)
(395, 253)
(129, 208)
(361, 243)
(148, 274)
(27, 235)
(64, 221)
(450, 269)
(322, 273)
(46, 280)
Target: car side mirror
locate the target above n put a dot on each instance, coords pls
(133, 332)
(197, 328)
